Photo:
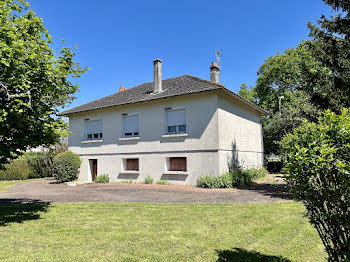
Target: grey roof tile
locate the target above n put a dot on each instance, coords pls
(176, 86)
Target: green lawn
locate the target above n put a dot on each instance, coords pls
(157, 232)
(4, 185)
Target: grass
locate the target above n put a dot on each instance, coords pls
(4, 185)
(157, 232)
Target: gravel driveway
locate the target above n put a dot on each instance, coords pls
(267, 191)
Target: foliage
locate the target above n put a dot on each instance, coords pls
(127, 181)
(17, 169)
(247, 93)
(235, 178)
(149, 232)
(40, 163)
(148, 180)
(317, 161)
(331, 46)
(103, 178)
(163, 182)
(285, 79)
(34, 82)
(246, 176)
(66, 166)
(212, 181)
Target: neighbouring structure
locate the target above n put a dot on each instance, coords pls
(175, 129)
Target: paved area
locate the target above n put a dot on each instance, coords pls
(270, 190)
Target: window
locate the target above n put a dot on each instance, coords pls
(131, 125)
(94, 129)
(175, 121)
(177, 164)
(131, 164)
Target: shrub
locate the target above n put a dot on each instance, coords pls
(103, 178)
(40, 163)
(317, 164)
(211, 181)
(148, 180)
(163, 182)
(66, 166)
(236, 178)
(17, 169)
(125, 181)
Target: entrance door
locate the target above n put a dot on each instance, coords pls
(93, 165)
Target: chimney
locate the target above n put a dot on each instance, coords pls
(157, 73)
(214, 73)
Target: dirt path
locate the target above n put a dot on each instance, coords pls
(265, 191)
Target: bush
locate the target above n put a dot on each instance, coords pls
(148, 180)
(211, 181)
(40, 163)
(66, 166)
(236, 178)
(103, 178)
(17, 169)
(163, 182)
(317, 164)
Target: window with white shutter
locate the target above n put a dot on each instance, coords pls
(94, 129)
(131, 125)
(176, 122)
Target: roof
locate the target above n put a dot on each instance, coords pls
(176, 86)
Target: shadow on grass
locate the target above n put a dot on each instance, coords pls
(240, 255)
(19, 210)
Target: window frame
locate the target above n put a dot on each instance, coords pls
(170, 165)
(92, 136)
(130, 134)
(125, 164)
(177, 127)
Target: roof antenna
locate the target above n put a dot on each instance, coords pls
(218, 53)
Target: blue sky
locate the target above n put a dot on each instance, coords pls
(119, 39)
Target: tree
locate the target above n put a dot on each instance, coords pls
(289, 76)
(331, 46)
(247, 93)
(33, 81)
(317, 164)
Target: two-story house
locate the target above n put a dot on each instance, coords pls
(175, 129)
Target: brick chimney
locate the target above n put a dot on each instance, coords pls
(214, 73)
(157, 73)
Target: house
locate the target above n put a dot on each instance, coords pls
(176, 129)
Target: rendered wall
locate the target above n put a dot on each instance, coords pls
(240, 134)
(200, 146)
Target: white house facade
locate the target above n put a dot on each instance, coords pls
(175, 129)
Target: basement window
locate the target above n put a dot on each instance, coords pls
(177, 164)
(131, 164)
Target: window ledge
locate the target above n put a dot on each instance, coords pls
(183, 173)
(129, 138)
(129, 172)
(92, 141)
(175, 135)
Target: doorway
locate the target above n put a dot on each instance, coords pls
(93, 168)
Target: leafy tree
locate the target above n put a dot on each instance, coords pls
(34, 82)
(331, 46)
(247, 93)
(288, 76)
(317, 164)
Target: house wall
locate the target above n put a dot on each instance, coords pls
(200, 146)
(240, 134)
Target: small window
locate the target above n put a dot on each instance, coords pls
(131, 125)
(94, 129)
(177, 164)
(176, 121)
(131, 164)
